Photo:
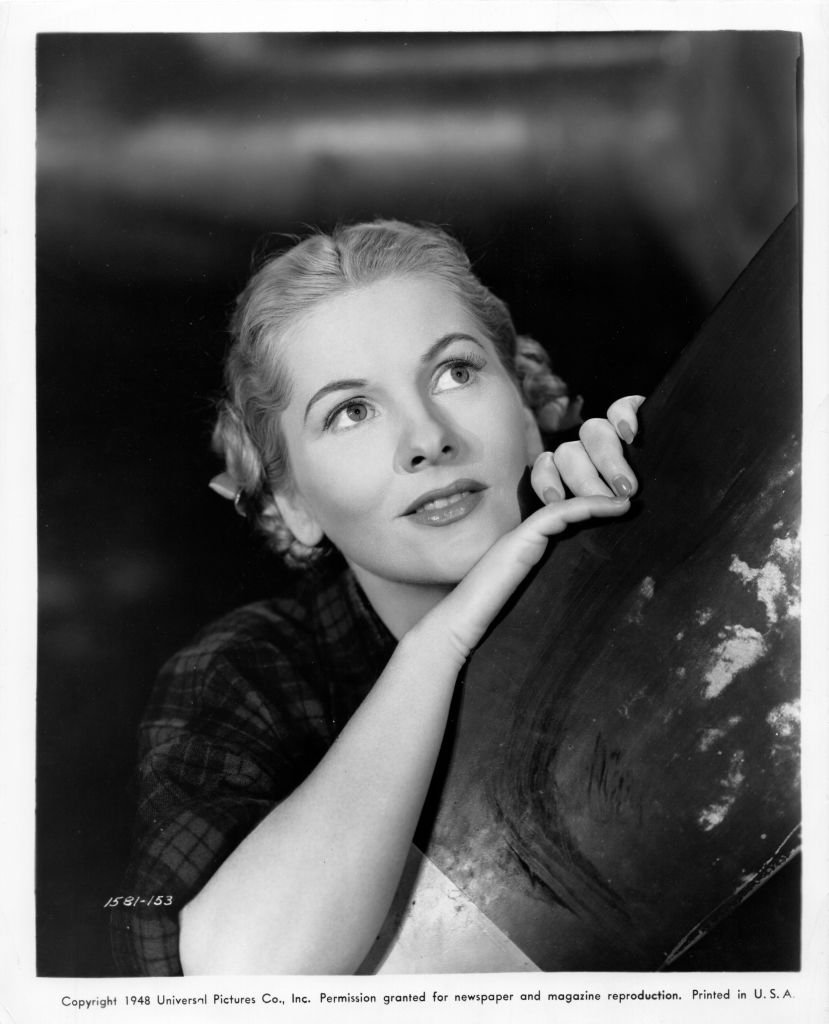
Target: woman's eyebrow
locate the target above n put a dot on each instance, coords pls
(447, 339)
(335, 385)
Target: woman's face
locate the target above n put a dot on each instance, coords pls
(406, 437)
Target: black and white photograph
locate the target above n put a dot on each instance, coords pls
(418, 518)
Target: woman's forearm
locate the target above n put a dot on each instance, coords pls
(308, 890)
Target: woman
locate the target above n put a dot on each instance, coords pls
(372, 409)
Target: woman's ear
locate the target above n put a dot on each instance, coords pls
(298, 518)
(532, 436)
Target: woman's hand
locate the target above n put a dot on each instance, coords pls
(595, 471)
(595, 464)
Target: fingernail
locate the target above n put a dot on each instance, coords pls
(622, 486)
(550, 494)
(625, 431)
(620, 501)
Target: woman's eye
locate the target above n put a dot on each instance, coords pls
(357, 411)
(349, 415)
(455, 375)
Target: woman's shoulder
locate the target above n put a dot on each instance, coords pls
(273, 658)
(314, 623)
(283, 622)
(263, 622)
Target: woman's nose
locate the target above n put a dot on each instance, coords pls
(427, 437)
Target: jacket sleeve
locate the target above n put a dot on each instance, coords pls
(232, 728)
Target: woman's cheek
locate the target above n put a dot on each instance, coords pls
(346, 492)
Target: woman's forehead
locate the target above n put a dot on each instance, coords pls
(395, 318)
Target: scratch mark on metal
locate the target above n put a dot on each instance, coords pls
(788, 849)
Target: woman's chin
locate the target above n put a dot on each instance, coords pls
(456, 561)
(429, 558)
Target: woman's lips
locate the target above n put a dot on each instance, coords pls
(447, 505)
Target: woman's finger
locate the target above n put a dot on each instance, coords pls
(580, 471)
(510, 559)
(553, 519)
(603, 451)
(622, 415)
(469, 609)
(545, 479)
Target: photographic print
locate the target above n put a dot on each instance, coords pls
(419, 466)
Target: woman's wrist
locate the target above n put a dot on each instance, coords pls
(434, 643)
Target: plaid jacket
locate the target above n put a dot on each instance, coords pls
(236, 721)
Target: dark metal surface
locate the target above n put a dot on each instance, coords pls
(625, 768)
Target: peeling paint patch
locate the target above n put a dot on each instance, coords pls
(624, 709)
(770, 581)
(784, 719)
(786, 548)
(710, 736)
(739, 650)
(644, 594)
(773, 589)
(715, 813)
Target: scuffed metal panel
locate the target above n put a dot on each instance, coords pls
(627, 753)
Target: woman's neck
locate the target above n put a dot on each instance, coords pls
(399, 605)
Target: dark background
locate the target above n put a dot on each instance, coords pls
(609, 188)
